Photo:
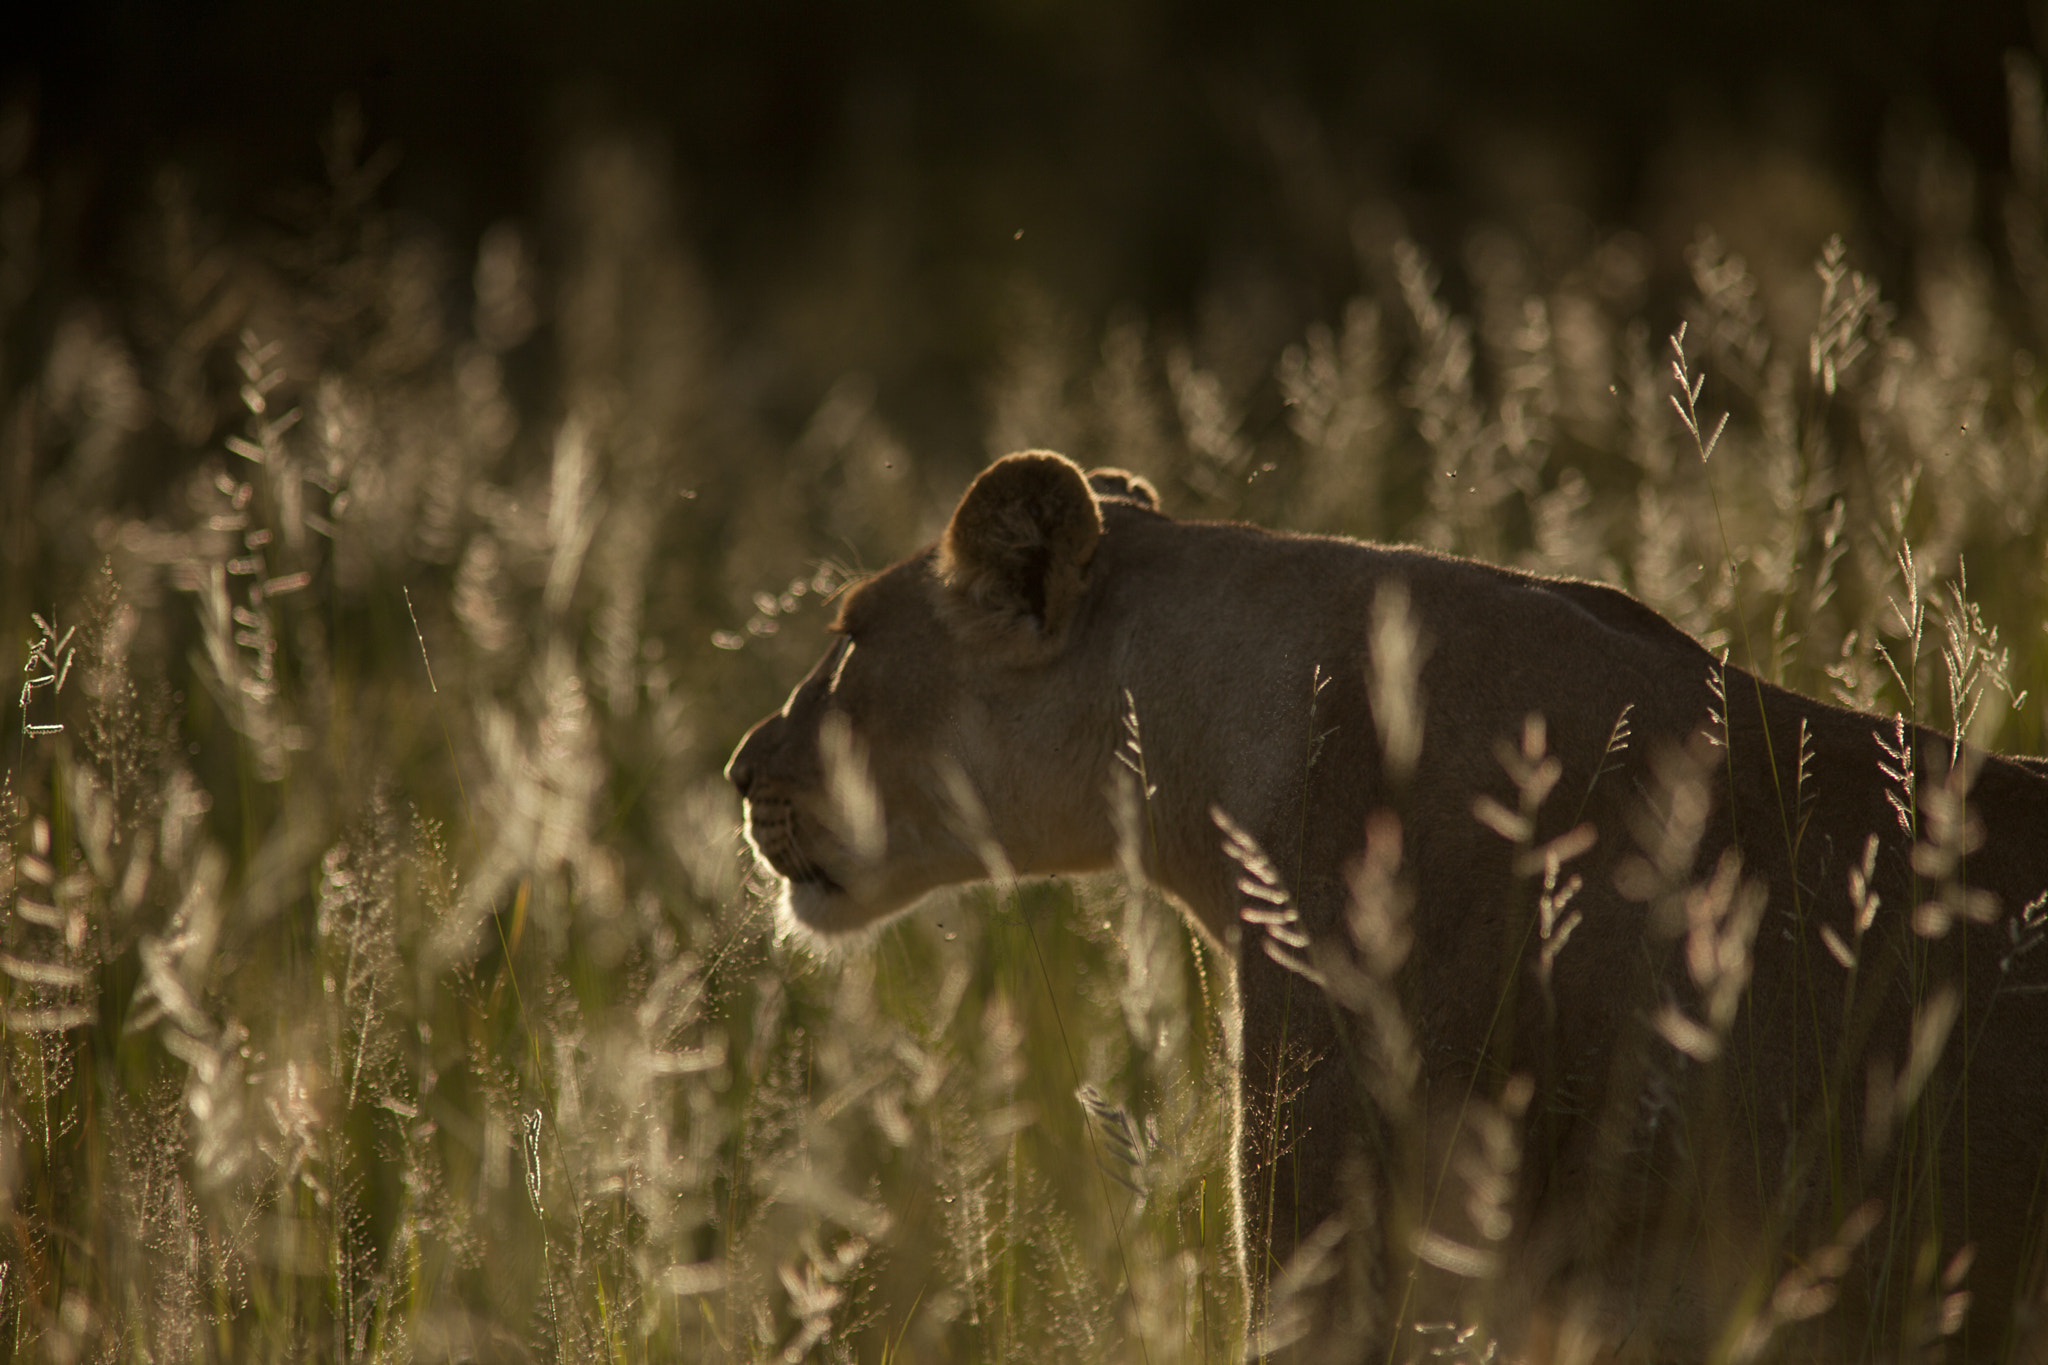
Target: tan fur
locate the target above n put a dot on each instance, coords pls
(1646, 1203)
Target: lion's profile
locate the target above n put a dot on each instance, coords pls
(1581, 978)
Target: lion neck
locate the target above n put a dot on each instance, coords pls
(1210, 700)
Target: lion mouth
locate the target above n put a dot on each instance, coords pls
(809, 876)
(771, 829)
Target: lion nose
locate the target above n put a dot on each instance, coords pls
(739, 771)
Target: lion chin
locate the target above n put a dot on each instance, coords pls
(821, 912)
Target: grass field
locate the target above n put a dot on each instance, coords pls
(383, 975)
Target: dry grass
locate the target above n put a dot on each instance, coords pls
(381, 975)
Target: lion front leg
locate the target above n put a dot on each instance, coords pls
(1310, 1185)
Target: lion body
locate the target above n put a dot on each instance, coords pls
(1554, 1111)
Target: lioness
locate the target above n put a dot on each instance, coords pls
(1591, 992)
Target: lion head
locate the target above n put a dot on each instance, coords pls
(941, 739)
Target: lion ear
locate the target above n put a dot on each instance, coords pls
(1016, 552)
(1121, 485)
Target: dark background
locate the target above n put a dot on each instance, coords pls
(894, 190)
(1138, 145)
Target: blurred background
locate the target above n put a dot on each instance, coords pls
(427, 432)
(894, 188)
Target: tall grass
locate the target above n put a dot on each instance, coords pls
(382, 976)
